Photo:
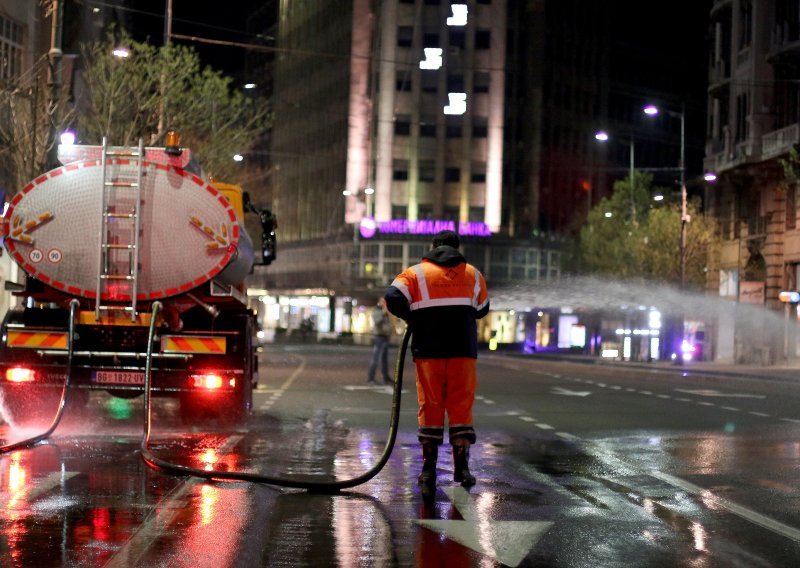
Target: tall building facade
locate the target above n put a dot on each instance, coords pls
(752, 135)
(390, 123)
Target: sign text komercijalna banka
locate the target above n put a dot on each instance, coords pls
(430, 227)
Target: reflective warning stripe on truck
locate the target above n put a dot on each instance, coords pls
(203, 344)
(37, 339)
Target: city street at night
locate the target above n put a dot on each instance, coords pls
(577, 465)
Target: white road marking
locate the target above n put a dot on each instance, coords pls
(544, 426)
(286, 384)
(707, 497)
(791, 420)
(22, 498)
(507, 542)
(739, 510)
(162, 516)
(716, 393)
(566, 392)
(731, 408)
(754, 413)
(527, 419)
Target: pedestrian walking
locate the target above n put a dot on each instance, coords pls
(442, 298)
(382, 331)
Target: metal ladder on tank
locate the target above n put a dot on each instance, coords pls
(112, 192)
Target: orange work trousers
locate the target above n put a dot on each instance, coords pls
(445, 386)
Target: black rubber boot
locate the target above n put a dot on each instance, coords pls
(427, 478)
(461, 472)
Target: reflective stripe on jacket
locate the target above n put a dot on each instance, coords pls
(441, 302)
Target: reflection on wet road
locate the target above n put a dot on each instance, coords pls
(570, 473)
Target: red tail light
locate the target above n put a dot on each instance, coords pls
(20, 375)
(209, 382)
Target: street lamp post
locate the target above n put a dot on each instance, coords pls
(652, 110)
(603, 136)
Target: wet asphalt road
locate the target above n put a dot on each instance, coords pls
(577, 465)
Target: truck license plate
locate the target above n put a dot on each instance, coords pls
(118, 377)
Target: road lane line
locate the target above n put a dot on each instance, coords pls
(544, 426)
(277, 393)
(527, 419)
(754, 413)
(161, 517)
(10, 500)
(738, 510)
(794, 420)
(731, 408)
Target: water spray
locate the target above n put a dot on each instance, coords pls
(29, 442)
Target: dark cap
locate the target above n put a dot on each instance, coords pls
(445, 238)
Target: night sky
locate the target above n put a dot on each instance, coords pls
(144, 19)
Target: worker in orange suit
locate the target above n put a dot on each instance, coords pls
(441, 299)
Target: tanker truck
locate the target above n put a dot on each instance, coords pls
(119, 228)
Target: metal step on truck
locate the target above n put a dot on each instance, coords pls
(118, 228)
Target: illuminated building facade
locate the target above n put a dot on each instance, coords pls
(390, 125)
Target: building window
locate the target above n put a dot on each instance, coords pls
(403, 81)
(10, 49)
(399, 211)
(450, 213)
(427, 129)
(483, 39)
(481, 82)
(455, 83)
(402, 126)
(430, 39)
(453, 131)
(791, 207)
(430, 82)
(478, 177)
(742, 117)
(404, 36)
(745, 24)
(427, 171)
(457, 38)
(425, 212)
(476, 214)
(480, 131)
(452, 174)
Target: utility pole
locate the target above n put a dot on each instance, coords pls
(167, 39)
(684, 215)
(55, 56)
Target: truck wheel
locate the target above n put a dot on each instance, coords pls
(29, 407)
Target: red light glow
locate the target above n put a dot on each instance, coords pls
(20, 375)
(209, 382)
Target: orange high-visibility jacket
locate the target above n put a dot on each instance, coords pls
(441, 298)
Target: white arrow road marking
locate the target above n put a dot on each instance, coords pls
(567, 392)
(507, 542)
(713, 392)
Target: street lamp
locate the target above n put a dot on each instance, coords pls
(652, 110)
(602, 136)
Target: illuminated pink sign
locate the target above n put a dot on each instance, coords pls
(427, 227)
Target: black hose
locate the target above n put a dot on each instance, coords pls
(313, 486)
(28, 442)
